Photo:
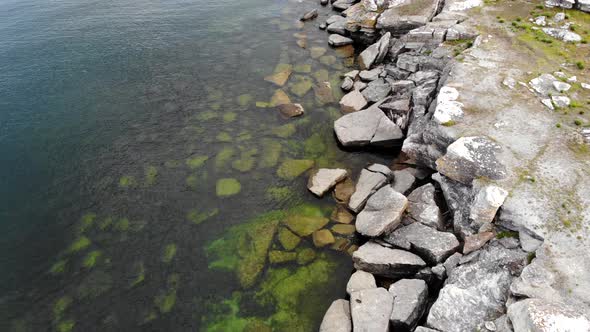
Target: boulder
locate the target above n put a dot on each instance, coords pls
(477, 290)
(353, 101)
(368, 183)
(583, 5)
(432, 245)
(376, 90)
(407, 16)
(403, 180)
(540, 315)
(382, 213)
(392, 263)
(359, 85)
(458, 198)
(563, 34)
(366, 127)
(310, 15)
(471, 157)
(409, 303)
(543, 84)
(374, 54)
(338, 26)
(338, 40)
(360, 280)
(291, 110)
(370, 75)
(370, 309)
(337, 318)
(325, 179)
(387, 134)
(476, 241)
(423, 209)
(448, 109)
(486, 203)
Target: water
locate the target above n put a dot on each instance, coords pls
(118, 119)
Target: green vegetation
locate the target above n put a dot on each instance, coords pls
(151, 173)
(168, 253)
(122, 225)
(292, 168)
(58, 267)
(79, 244)
(506, 234)
(91, 258)
(60, 306)
(127, 181)
(227, 187)
(65, 325)
(196, 161)
(197, 217)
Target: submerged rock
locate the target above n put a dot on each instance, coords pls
(292, 168)
(392, 263)
(325, 179)
(227, 187)
(310, 15)
(288, 240)
(370, 309)
(305, 225)
(337, 318)
(360, 280)
(383, 212)
(279, 98)
(434, 246)
(409, 303)
(281, 77)
(291, 110)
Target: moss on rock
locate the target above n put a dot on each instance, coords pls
(288, 240)
(292, 168)
(196, 161)
(227, 187)
(278, 257)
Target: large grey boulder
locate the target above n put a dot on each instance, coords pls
(360, 280)
(353, 101)
(423, 209)
(536, 315)
(432, 245)
(477, 290)
(337, 318)
(374, 54)
(393, 263)
(409, 303)
(371, 309)
(382, 213)
(368, 183)
(376, 90)
(370, 126)
(325, 179)
(407, 16)
(471, 157)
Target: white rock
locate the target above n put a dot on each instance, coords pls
(509, 82)
(560, 101)
(547, 102)
(543, 84)
(370, 309)
(572, 79)
(559, 17)
(448, 112)
(561, 86)
(486, 203)
(337, 318)
(563, 34)
(338, 40)
(541, 20)
(360, 280)
(539, 315)
(585, 86)
(324, 179)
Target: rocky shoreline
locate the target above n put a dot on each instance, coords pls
(457, 239)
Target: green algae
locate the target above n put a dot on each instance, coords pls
(59, 267)
(271, 152)
(227, 187)
(196, 161)
(262, 104)
(138, 274)
(230, 117)
(105, 223)
(284, 131)
(95, 284)
(243, 136)
(87, 222)
(314, 146)
(91, 258)
(224, 156)
(243, 249)
(223, 137)
(279, 257)
(302, 68)
(122, 225)
(60, 306)
(80, 243)
(301, 85)
(288, 240)
(321, 75)
(127, 181)
(279, 194)
(197, 217)
(151, 174)
(328, 60)
(305, 256)
(305, 219)
(246, 161)
(192, 181)
(65, 325)
(244, 100)
(225, 316)
(292, 168)
(165, 301)
(168, 253)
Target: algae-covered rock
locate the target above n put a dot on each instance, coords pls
(243, 249)
(79, 244)
(341, 215)
(314, 145)
(322, 238)
(91, 259)
(284, 131)
(271, 152)
(279, 78)
(93, 285)
(223, 137)
(224, 156)
(278, 257)
(305, 256)
(225, 316)
(321, 75)
(302, 68)
(227, 187)
(305, 225)
(343, 229)
(279, 194)
(168, 253)
(151, 174)
(197, 217)
(127, 181)
(244, 100)
(279, 98)
(292, 168)
(288, 240)
(196, 161)
(246, 161)
(301, 85)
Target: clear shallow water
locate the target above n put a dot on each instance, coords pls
(117, 120)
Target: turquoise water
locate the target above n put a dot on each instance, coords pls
(118, 119)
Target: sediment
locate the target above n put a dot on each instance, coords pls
(483, 225)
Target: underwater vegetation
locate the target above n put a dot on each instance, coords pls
(227, 187)
(197, 217)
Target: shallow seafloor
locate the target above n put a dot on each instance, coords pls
(143, 177)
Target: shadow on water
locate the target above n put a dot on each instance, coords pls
(152, 187)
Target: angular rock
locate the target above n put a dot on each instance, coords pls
(393, 263)
(560, 101)
(347, 84)
(360, 280)
(403, 181)
(281, 77)
(353, 101)
(387, 134)
(475, 242)
(335, 18)
(342, 4)
(376, 90)
(291, 110)
(323, 93)
(325, 179)
(452, 262)
(368, 183)
(540, 315)
(423, 209)
(310, 15)
(432, 245)
(338, 40)
(563, 34)
(561, 86)
(370, 309)
(358, 128)
(460, 32)
(425, 329)
(337, 318)
(279, 98)
(543, 84)
(343, 191)
(374, 54)
(407, 16)
(322, 238)
(359, 85)
(409, 303)
(382, 213)
(370, 75)
(486, 203)
(338, 26)
(471, 157)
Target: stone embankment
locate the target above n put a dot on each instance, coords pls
(486, 228)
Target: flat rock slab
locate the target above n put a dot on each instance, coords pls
(432, 245)
(382, 213)
(337, 318)
(409, 15)
(338, 40)
(423, 209)
(368, 183)
(353, 101)
(409, 303)
(291, 110)
(371, 309)
(471, 157)
(540, 315)
(476, 241)
(376, 90)
(360, 280)
(366, 127)
(376, 259)
(403, 181)
(325, 179)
